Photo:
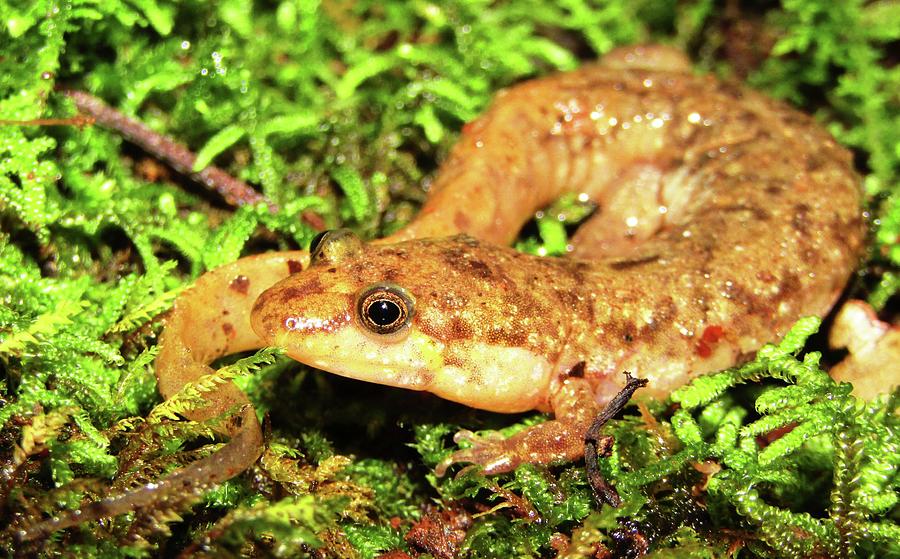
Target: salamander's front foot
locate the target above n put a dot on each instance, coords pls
(546, 443)
(575, 433)
(491, 451)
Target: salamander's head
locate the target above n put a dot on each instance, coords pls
(451, 316)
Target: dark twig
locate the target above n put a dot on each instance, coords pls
(235, 192)
(596, 445)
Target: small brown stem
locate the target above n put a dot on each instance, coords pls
(80, 121)
(596, 445)
(235, 192)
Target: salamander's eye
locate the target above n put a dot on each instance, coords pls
(333, 245)
(384, 309)
(317, 240)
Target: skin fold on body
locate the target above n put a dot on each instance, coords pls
(724, 216)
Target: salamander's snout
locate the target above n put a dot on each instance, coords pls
(298, 307)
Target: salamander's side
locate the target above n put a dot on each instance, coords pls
(724, 216)
(748, 219)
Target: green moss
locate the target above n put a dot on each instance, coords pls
(339, 114)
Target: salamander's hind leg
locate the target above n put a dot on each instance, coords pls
(558, 440)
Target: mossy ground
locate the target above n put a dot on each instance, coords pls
(344, 109)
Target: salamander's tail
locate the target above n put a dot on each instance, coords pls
(237, 455)
(654, 58)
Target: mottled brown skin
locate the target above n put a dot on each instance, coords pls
(724, 217)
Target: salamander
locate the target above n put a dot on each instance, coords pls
(723, 217)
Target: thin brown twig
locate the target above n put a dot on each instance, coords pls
(235, 191)
(596, 445)
(79, 120)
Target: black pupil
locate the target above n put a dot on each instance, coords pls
(383, 312)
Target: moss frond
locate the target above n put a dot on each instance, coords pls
(191, 395)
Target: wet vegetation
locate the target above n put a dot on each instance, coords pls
(338, 113)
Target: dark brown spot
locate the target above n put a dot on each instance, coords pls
(622, 330)
(294, 266)
(633, 262)
(755, 304)
(800, 219)
(757, 212)
(731, 90)
(458, 329)
(577, 370)
(480, 269)
(568, 299)
(461, 221)
(665, 312)
(291, 293)
(814, 162)
(788, 287)
(356, 269)
(459, 259)
(450, 330)
(391, 274)
(228, 328)
(398, 253)
(846, 235)
(240, 284)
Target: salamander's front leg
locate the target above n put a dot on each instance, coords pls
(558, 440)
(210, 320)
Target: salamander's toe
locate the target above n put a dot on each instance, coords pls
(493, 453)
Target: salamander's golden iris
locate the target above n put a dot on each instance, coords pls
(384, 309)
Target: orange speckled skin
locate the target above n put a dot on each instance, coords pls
(724, 217)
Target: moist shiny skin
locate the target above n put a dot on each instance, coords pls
(724, 216)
